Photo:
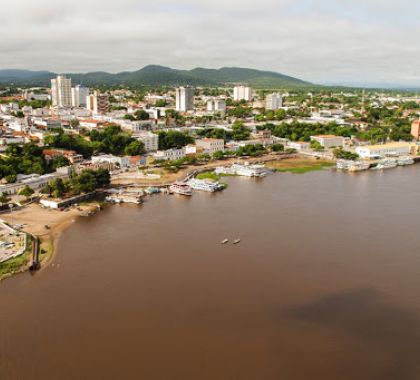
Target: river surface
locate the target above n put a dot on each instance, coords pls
(325, 284)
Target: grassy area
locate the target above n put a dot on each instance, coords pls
(299, 165)
(209, 176)
(17, 264)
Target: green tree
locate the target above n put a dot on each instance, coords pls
(240, 132)
(59, 162)
(135, 148)
(58, 188)
(141, 115)
(344, 154)
(316, 146)
(4, 199)
(26, 191)
(173, 139)
(277, 148)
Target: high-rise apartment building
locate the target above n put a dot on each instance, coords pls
(273, 101)
(184, 99)
(242, 93)
(61, 92)
(79, 95)
(97, 103)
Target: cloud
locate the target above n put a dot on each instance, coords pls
(317, 40)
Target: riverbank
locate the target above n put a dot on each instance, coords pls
(48, 225)
(300, 165)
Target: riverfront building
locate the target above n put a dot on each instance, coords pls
(329, 141)
(170, 154)
(211, 146)
(122, 162)
(391, 149)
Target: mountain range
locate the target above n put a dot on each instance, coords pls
(154, 75)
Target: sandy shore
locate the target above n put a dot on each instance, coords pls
(35, 220)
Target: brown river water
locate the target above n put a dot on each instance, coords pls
(325, 284)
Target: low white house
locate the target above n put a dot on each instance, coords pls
(122, 162)
(299, 145)
(391, 149)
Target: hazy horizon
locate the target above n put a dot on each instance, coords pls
(322, 41)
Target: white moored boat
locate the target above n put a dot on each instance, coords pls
(243, 170)
(199, 184)
(180, 188)
(404, 161)
(386, 164)
(352, 166)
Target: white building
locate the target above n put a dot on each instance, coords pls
(391, 149)
(79, 95)
(211, 146)
(170, 154)
(150, 141)
(216, 105)
(273, 101)
(299, 145)
(184, 99)
(329, 141)
(122, 162)
(61, 92)
(34, 181)
(242, 93)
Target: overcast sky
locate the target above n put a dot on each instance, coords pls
(359, 41)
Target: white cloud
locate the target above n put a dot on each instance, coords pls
(317, 40)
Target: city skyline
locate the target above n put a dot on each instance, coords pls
(338, 42)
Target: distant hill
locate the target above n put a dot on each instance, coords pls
(154, 75)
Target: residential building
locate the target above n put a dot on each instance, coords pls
(273, 101)
(211, 146)
(170, 154)
(71, 155)
(90, 123)
(61, 92)
(391, 149)
(329, 141)
(97, 103)
(242, 93)
(216, 105)
(184, 99)
(79, 95)
(150, 141)
(415, 129)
